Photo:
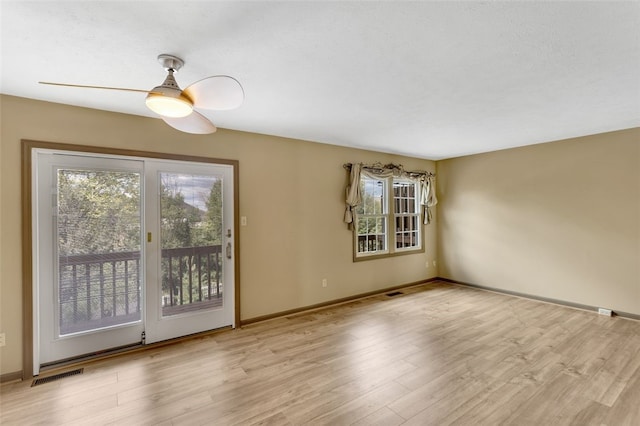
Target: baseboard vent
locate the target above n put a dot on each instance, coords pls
(394, 293)
(605, 312)
(55, 377)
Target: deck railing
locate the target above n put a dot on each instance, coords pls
(191, 275)
(103, 290)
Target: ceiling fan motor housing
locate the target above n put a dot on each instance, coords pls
(168, 99)
(169, 86)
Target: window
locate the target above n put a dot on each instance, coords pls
(387, 222)
(386, 207)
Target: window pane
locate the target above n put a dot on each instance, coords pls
(373, 225)
(362, 226)
(405, 197)
(191, 234)
(99, 241)
(376, 226)
(371, 231)
(371, 243)
(371, 196)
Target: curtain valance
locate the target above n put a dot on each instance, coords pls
(378, 171)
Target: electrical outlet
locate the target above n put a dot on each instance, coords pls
(605, 312)
(324, 282)
(3, 340)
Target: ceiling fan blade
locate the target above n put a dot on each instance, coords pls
(95, 87)
(219, 92)
(195, 123)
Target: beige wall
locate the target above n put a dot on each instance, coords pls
(290, 191)
(558, 220)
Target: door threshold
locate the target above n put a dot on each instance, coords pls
(124, 350)
(107, 353)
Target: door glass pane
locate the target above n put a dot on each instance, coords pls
(98, 244)
(191, 242)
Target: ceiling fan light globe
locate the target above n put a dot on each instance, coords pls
(169, 106)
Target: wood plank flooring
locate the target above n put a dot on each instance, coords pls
(440, 354)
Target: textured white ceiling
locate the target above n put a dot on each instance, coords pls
(426, 79)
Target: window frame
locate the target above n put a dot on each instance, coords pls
(389, 214)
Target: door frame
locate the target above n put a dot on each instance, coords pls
(27, 146)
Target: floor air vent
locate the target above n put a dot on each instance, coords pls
(56, 377)
(394, 293)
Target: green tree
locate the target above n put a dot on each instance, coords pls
(98, 212)
(213, 218)
(179, 220)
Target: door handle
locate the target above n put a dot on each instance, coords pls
(228, 250)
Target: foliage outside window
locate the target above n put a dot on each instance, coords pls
(99, 215)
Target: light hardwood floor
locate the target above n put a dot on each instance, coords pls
(439, 354)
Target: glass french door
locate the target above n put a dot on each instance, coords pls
(88, 255)
(190, 234)
(126, 248)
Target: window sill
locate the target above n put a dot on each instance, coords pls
(403, 252)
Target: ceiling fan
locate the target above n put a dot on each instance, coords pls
(177, 107)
